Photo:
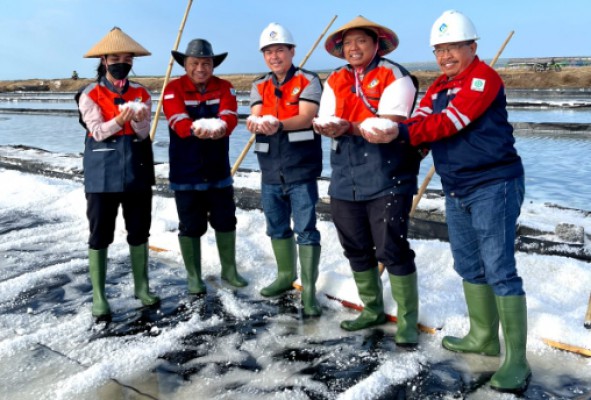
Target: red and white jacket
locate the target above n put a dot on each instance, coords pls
(466, 123)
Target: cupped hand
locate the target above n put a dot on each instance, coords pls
(375, 135)
(332, 129)
(124, 116)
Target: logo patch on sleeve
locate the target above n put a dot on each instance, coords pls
(478, 84)
(169, 96)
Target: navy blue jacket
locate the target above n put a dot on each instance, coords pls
(465, 120)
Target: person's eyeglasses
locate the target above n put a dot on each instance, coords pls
(450, 48)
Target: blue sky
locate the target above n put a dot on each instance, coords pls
(46, 39)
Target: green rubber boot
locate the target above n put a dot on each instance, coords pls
(286, 256)
(369, 286)
(406, 294)
(139, 267)
(483, 337)
(515, 373)
(309, 260)
(191, 251)
(226, 242)
(97, 262)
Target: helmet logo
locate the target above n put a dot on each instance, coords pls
(272, 34)
(443, 27)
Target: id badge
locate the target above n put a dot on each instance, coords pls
(261, 147)
(301, 136)
(334, 145)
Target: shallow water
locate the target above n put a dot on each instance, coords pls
(556, 167)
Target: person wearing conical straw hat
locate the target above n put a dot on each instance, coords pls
(202, 112)
(373, 180)
(463, 116)
(283, 103)
(118, 164)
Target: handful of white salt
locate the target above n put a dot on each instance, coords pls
(323, 121)
(265, 118)
(209, 124)
(136, 106)
(382, 124)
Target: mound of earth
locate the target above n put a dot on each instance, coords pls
(569, 77)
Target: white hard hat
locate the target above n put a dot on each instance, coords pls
(275, 34)
(452, 27)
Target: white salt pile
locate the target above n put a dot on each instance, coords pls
(136, 106)
(382, 124)
(209, 124)
(323, 121)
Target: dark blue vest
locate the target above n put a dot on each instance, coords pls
(198, 160)
(118, 164)
(289, 162)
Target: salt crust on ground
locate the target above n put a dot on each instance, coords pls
(557, 287)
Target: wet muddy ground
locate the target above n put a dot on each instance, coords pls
(228, 344)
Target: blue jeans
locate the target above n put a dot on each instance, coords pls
(482, 229)
(281, 202)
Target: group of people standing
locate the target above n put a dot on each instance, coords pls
(366, 109)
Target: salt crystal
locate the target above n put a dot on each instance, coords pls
(265, 118)
(382, 124)
(136, 106)
(323, 121)
(209, 124)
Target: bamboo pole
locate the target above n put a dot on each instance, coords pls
(357, 307)
(587, 323)
(168, 72)
(253, 136)
(431, 172)
(568, 347)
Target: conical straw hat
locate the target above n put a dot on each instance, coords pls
(387, 39)
(116, 41)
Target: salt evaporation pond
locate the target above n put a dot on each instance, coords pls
(234, 344)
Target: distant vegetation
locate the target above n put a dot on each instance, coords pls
(520, 76)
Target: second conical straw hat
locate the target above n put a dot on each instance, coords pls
(116, 41)
(387, 39)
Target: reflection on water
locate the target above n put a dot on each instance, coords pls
(576, 115)
(556, 167)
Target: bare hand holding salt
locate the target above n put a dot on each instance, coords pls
(266, 124)
(378, 130)
(209, 128)
(138, 111)
(331, 126)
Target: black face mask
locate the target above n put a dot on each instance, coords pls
(120, 70)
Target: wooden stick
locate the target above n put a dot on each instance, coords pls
(568, 347)
(431, 172)
(588, 315)
(353, 306)
(168, 72)
(494, 60)
(253, 136)
(421, 191)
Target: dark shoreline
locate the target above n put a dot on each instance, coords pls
(426, 224)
